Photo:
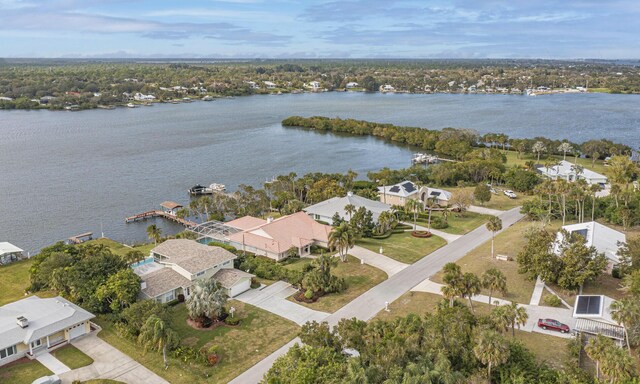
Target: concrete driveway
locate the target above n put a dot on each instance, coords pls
(382, 262)
(109, 363)
(273, 298)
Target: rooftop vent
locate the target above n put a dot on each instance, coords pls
(349, 194)
(22, 322)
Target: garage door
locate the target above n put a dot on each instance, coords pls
(76, 331)
(241, 286)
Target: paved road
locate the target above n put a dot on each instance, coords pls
(273, 298)
(382, 262)
(109, 363)
(373, 301)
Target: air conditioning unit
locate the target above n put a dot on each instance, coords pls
(22, 322)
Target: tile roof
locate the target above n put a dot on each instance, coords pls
(228, 277)
(246, 222)
(170, 205)
(45, 316)
(297, 230)
(191, 255)
(163, 281)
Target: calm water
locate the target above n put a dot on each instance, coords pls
(63, 173)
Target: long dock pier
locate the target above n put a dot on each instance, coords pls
(169, 213)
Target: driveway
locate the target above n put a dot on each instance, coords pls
(485, 211)
(447, 236)
(109, 363)
(382, 262)
(273, 298)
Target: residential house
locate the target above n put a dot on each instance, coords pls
(569, 172)
(352, 84)
(142, 97)
(399, 194)
(269, 84)
(593, 316)
(33, 326)
(176, 265)
(10, 253)
(325, 210)
(252, 84)
(315, 85)
(387, 88)
(274, 237)
(3, 98)
(606, 240)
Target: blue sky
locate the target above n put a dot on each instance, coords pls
(327, 29)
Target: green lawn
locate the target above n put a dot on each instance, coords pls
(72, 357)
(359, 277)
(14, 279)
(507, 243)
(121, 249)
(458, 224)
(604, 285)
(586, 163)
(23, 371)
(259, 334)
(499, 201)
(403, 247)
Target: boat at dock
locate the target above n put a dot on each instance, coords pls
(198, 189)
(131, 105)
(423, 158)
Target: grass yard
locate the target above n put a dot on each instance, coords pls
(586, 163)
(258, 335)
(121, 249)
(507, 243)
(23, 371)
(72, 357)
(14, 279)
(359, 277)
(458, 225)
(403, 247)
(499, 201)
(604, 285)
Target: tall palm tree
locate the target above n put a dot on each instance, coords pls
(342, 238)
(350, 209)
(494, 280)
(156, 335)
(429, 204)
(618, 365)
(154, 233)
(470, 286)
(564, 148)
(500, 318)
(385, 221)
(450, 293)
(596, 349)
(494, 225)
(491, 349)
(517, 316)
(626, 312)
(413, 205)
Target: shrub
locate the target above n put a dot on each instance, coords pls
(181, 298)
(308, 294)
(254, 283)
(421, 234)
(232, 320)
(552, 301)
(438, 223)
(615, 272)
(211, 354)
(188, 354)
(223, 246)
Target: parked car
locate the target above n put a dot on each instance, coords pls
(510, 194)
(53, 379)
(553, 325)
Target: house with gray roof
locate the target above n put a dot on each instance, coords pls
(570, 172)
(606, 240)
(32, 326)
(177, 264)
(399, 194)
(325, 210)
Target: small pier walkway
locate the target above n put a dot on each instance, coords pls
(168, 212)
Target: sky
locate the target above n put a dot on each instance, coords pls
(549, 29)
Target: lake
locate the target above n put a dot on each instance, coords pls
(64, 173)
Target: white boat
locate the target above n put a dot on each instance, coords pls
(215, 187)
(423, 158)
(131, 105)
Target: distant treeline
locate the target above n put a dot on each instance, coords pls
(456, 142)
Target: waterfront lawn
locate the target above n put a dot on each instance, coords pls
(360, 278)
(72, 357)
(507, 243)
(14, 279)
(23, 371)
(121, 249)
(259, 334)
(403, 247)
(499, 201)
(458, 224)
(512, 160)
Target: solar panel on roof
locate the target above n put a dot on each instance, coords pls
(395, 188)
(409, 187)
(435, 194)
(588, 305)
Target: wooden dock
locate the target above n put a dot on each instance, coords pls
(163, 214)
(81, 238)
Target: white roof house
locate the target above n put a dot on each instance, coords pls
(270, 85)
(566, 171)
(398, 194)
(402, 189)
(10, 253)
(440, 196)
(593, 314)
(606, 240)
(34, 325)
(352, 84)
(325, 210)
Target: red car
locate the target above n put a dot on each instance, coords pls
(553, 325)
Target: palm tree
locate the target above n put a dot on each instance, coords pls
(470, 286)
(596, 349)
(626, 312)
(564, 148)
(450, 293)
(517, 316)
(154, 233)
(494, 225)
(207, 300)
(342, 238)
(494, 280)
(491, 349)
(350, 209)
(429, 204)
(452, 278)
(500, 318)
(413, 205)
(385, 221)
(618, 365)
(538, 148)
(156, 335)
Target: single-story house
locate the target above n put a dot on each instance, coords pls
(325, 210)
(34, 325)
(606, 240)
(178, 263)
(566, 171)
(593, 314)
(10, 253)
(352, 84)
(270, 84)
(398, 194)
(314, 84)
(273, 238)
